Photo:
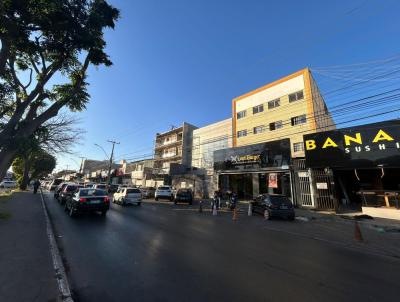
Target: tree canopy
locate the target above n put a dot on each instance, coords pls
(41, 39)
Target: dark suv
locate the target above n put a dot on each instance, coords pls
(87, 200)
(274, 205)
(184, 195)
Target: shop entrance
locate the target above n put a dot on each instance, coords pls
(250, 185)
(241, 184)
(367, 187)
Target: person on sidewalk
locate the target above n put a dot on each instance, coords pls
(36, 186)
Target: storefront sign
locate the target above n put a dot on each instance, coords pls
(366, 146)
(265, 155)
(322, 186)
(302, 174)
(272, 180)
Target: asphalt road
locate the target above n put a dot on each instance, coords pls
(162, 252)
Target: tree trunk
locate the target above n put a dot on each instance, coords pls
(25, 176)
(7, 155)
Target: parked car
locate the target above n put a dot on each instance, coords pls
(67, 192)
(8, 184)
(100, 187)
(54, 183)
(59, 188)
(184, 195)
(148, 192)
(112, 188)
(164, 192)
(274, 205)
(128, 196)
(87, 200)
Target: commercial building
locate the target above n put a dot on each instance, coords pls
(287, 108)
(173, 149)
(138, 173)
(360, 168)
(208, 139)
(268, 125)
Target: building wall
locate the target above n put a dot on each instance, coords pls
(208, 139)
(311, 101)
(323, 118)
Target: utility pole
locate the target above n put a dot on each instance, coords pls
(111, 160)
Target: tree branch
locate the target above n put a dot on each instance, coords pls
(4, 54)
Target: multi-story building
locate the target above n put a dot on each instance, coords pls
(287, 108)
(268, 125)
(173, 147)
(138, 173)
(208, 139)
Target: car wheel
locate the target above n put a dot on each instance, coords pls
(103, 213)
(171, 198)
(267, 215)
(190, 202)
(156, 199)
(291, 218)
(139, 203)
(175, 202)
(113, 200)
(71, 211)
(122, 201)
(65, 207)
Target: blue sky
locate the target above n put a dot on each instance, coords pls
(178, 61)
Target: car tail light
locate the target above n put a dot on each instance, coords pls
(82, 199)
(106, 199)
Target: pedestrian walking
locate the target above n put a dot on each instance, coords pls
(36, 186)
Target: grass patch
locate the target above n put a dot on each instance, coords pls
(5, 215)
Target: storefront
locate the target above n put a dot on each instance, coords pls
(364, 162)
(254, 169)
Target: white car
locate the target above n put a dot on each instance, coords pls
(8, 184)
(125, 196)
(164, 192)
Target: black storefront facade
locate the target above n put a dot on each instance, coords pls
(362, 162)
(255, 169)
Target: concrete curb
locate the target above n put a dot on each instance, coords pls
(62, 281)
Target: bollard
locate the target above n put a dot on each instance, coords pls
(250, 211)
(201, 206)
(214, 211)
(266, 215)
(234, 214)
(357, 232)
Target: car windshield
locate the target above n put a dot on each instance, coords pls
(92, 192)
(277, 200)
(101, 186)
(132, 191)
(164, 188)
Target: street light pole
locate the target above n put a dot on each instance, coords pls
(111, 160)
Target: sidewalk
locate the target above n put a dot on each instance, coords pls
(382, 224)
(26, 272)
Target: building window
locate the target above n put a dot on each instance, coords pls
(297, 96)
(297, 120)
(297, 147)
(274, 103)
(242, 133)
(241, 114)
(275, 125)
(258, 129)
(258, 109)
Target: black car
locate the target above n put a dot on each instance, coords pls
(274, 205)
(184, 195)
(87, 200)
(67, 192)
(59, 188)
